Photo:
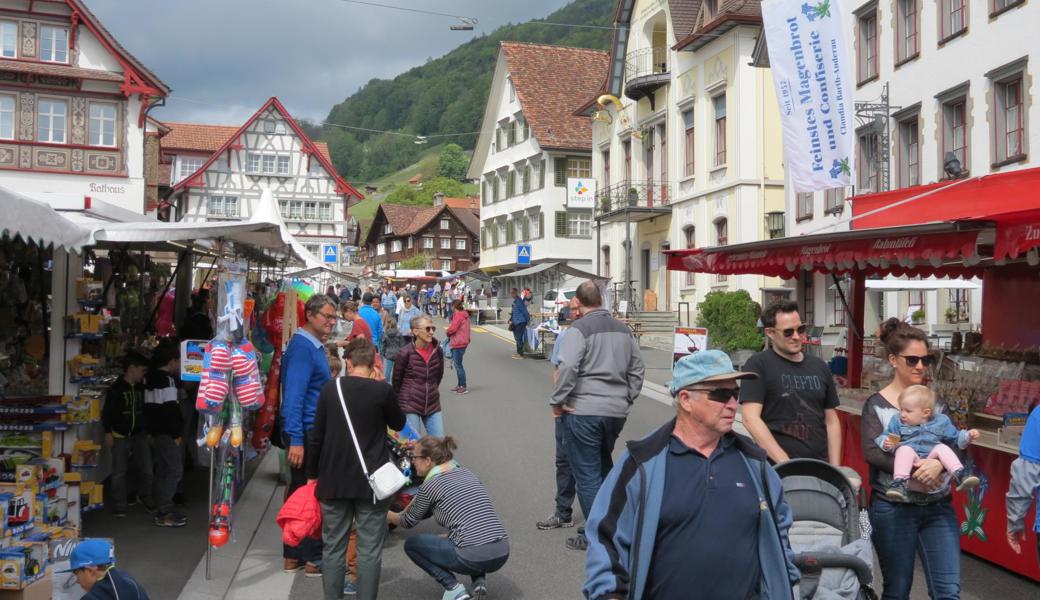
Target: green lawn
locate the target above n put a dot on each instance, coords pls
(427, 165)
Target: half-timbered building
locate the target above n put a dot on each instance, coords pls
(74, 108)
(217, 173)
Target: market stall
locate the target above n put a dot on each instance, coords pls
(988, 378)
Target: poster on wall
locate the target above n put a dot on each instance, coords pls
(688, 340)
(809, 61)
(581, 192)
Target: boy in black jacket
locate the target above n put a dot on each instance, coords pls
(165, 424)
(123, 420)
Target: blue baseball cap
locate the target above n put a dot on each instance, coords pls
(702, 366)
(89, 553)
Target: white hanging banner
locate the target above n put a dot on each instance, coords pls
(809, 60)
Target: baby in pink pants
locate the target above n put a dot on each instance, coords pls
(919, 432)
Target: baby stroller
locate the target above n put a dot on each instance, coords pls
(834, 560)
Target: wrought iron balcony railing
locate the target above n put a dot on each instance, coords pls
(633, 195)
(648, 61)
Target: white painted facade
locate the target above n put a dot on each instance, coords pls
(925, 79)
(737, 190)
(268, 154)
(98, 158)
(527, 213)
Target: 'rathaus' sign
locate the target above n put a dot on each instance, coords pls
(810, 66)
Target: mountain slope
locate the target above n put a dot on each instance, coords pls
(445, 95)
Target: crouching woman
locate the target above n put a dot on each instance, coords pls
(477, 543)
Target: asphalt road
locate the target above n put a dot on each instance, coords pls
(505, 435)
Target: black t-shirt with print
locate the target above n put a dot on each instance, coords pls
(793, 396)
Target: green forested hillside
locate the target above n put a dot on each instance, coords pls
(445, 95)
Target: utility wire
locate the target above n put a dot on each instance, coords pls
(469, 20)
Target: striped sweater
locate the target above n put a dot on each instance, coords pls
(460, 504)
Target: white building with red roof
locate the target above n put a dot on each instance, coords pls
(73, 109)
(530, 144)
(217, 173)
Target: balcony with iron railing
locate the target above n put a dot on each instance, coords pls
(645, 71)
(633, 201)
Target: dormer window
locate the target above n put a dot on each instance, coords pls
(711, 8)
(54, 44)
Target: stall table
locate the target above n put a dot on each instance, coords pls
(981, 512)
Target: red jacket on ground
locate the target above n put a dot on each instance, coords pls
(416, 381)
(458, 329)
(300, 516)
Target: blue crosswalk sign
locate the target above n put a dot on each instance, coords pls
(330, 253)
(523, 254)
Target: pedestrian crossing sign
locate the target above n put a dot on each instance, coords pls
(330, 253)
(523, 254)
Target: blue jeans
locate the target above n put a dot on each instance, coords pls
(564, 476)
(929, 531)
(388, 368)
(589, 441)
(519, 335)
(456, 359)
(434, 423)
(439, 557)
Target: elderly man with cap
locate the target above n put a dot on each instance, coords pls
(692, 506)
(93, 563)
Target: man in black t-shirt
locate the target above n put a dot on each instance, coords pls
(790, 410)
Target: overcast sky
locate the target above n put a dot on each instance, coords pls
(224, 58)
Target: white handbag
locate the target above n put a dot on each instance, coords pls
(387, 479)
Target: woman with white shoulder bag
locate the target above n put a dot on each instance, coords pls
(348, 457)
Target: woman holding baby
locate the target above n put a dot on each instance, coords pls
(912, 516)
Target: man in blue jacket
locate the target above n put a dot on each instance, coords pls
(369, 311)
(692, 506)
(519, 317)
(305, 370)
(1025, 485)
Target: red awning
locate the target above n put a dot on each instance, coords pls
(939, 249)
(1017, 233)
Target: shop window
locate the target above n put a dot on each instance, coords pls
(1009, 130)
(909, 152)
(54, 44)
(834, 201)
(51, 122)
(867, 46)
(907, 38)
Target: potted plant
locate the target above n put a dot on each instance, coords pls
(633, 196)
(951, 315)
(604, 204)
(917, 316)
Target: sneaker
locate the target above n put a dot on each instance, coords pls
(578, 542)
(457, 593)
(554, 522)
(455, 389)
(480, 590)
(517, 357)
(965, 480)
(462, 390)
(349, 588)
(170, 519)
(312, 570)
(897, 491)
(291, 565)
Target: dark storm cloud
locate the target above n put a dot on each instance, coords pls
(223, 58)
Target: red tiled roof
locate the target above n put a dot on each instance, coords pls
(470, 203)
(207, 139)
(551, 82)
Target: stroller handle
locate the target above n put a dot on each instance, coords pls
(810, 562)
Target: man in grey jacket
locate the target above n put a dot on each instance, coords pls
(599, 376)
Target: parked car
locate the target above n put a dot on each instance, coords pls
(556, 300)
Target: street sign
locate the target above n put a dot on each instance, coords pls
(330, 253)
(523, 254)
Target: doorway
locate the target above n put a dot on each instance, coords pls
(644, 272)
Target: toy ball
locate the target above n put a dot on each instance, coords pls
(218, 537)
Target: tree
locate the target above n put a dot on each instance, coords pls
(731, 319)
(419, 261)
(406, 194)
(452, 163)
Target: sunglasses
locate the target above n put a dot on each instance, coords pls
(801, 329)
(415, 456)
(427, 329)
(911, 360)
(722, 395)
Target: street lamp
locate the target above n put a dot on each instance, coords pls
(952, 165)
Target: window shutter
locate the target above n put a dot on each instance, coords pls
(483, 238)
(541, 225)
(561, 223)
(560, 172)
(541, 175)
(525, 225)
(510, 237)
(510, 184)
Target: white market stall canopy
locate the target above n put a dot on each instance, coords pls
(560, 267)
(318, 271)
(921, 285)
(36, 221)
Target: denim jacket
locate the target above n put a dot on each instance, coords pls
(922, 438)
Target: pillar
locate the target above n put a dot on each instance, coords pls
(859, 296)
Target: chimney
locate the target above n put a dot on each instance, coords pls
(438, 199)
